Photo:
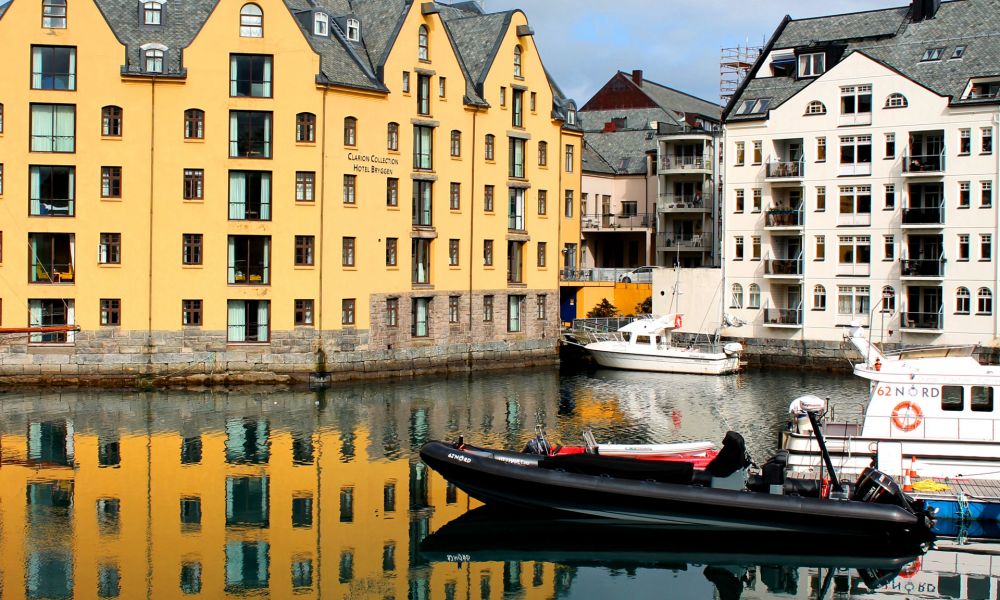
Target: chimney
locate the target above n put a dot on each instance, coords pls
(637, 74)
(924, 9)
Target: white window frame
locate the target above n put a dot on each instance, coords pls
(321, 24)
(353, 30)
(854, 167)
(855, 265)
(812, 64)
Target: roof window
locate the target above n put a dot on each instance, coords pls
(753, 106)
(353, 30)
(958, 53)
(321, 24)
(812, 65)
(932, 54)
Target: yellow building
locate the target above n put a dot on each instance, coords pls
(370, 189)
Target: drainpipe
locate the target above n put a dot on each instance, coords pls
(996, 229)
(152, 187)
(322, 220)
(472, 231)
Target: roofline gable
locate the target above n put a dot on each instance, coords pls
(756, 67)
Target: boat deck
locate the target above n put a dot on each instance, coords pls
(971, 489)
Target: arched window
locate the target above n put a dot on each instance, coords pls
(423, 52)
(354, 30)
(490, 146)
(456, 142)
(737, 296)
(815, 108)
(54, 14)
(152, 13)
(111, 121)
(819, 297)
(888, 299)
(962, 301)
(305, 127)
(251, 21)
(321, 24)
(754, 301)
(194, 124)
(984, 302)
(896, 100)
(154, 60)
(543, 154)
(517, 61)
(350, 131)
(392, 142)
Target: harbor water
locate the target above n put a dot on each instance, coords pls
(322, 495)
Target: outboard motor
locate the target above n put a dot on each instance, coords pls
(729, 467)
(538, 445)
(876, 487)
(799, 411)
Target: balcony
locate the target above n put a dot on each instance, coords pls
(924, 217)
(602, 274)
(785, 170)
(784, 218)
(925, 322)
(684, 132)
(783, 268)
(924, 165)
(788, 318)
(691, 203)
(932, 268)
(684, 163)
(698, 242)
(613, 222)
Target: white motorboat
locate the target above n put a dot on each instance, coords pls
(933, 409)
(646, 345)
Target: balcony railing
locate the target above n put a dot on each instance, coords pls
(923, 163)
(694, 241)
(782, 169)
(593, 221)
(784, 217)
(52, 272)
(923, 216)
(923, 320)
(783, 266)
(783, 316)
(242, 273)
(667, 202)
(596, 274)
(930, 267)
(685, 162)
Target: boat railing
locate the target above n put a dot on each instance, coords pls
(602, 324)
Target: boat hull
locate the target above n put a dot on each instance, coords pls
(501, 482)
(695, 363)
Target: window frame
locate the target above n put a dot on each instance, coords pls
(111, 121)
(305, 128)
(194, 124)
(109, 248)
(251, 21)
(305, 251)
(39, 75)
(111, 182)
(192, 249)
(54, 14)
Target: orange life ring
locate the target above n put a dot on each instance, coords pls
(907, 416)
(678, 321)
(911, 569)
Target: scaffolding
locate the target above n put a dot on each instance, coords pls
(734, 65)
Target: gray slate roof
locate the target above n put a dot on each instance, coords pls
(594, 120)
(672, 99)
(890, 37)
(612, 148)
(3, 9)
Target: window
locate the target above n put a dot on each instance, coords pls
(488, 308)
(111, 182)
(53, 67)
(812, 65)
(305, 186)
(423, 148)
(856, 99)
(739, 202)
(987, 140)
(303, 312)
(109, 251)
(347, 252)
(442, 86)
(391, 252)
(963, 301)
(984, 301)
(43, 313)
(453, 308)
(456, 142)
(191, 311)
(853, 300)
(737, 296)
(347, 311)
(569, 158)
(855, 149)
(856, 200)
(540, 302)
(353, 30)
(248, 320)
(820, 247)
(757, 200)
(896, 100)
(738, 248)
(154, 60)
(740, 154)
(1, 179)
(982, 399)
(890, 197)
(985, 246)
(111, 312)
(53, 128)
(754, 106)
(305, 250)
(952, 398)
(111, 121)
(890, 145)
(392, 137)
(855, 250)
(963, 246)
(423, 94)
(986, 197)
(488, 198)
(305, 127)
(487, 253)
(350, 189)
(542, 251)
(392, 312)
(568, 204)
(754, 300)
(515, 262)
(453, 255)
(249, 134)
(964, 141)
(490, 146)
(1, 117)
(964, 194)
(932, 54)
(888, 248)
(517, 108)
(423, 193)
(191, 248)
(194, 124)
(250, 195)
(542, 201)
(514, 306)
(531, 101)
(821, 149)
(455, 196)
(406, 82)
(350, 131)
(251, 21)
(421, 261)
(888, 299)
(503, 96)
(516, 164)
(423, 52)
(755, 247)
(51, 191)
(420, 318)
(758, 152)
(819, 297)
(815, 107)
(515, 209)
(517, 61)
(321, 24)
(392, 191)
(54, 14)
(250, 75)
(958, 53)
(543, 154)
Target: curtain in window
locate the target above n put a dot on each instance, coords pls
(265, 196)
(71, 191)
(262, 307)
(102, 252)
(267, 78)
(36, 191)
(421, 318)
(237, 196)
(35, 306)
(71, 83)
(237, 316)
(233, 73)
(235, 443)
(72, 253)
(514, 313)
(232, 260)
(266, 275)
(64, 118)
(36, 68)
(267, 135)
(41, 128)
(234, 134)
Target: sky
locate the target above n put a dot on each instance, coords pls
(675, 42)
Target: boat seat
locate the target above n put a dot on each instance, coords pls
(733, 456)
(619, 467)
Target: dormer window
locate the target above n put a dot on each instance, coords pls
(251, 21)
(152, 13)
(571, 117)
(815, 108)
(423, 52)
(896, 100)
(982, 88)
(152, 55)
(932, 54)
(812, 65)
(321, 24)
(517, 61)
(354, 30)
(54, 14)
(958, 53)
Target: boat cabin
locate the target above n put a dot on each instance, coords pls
(652, 333)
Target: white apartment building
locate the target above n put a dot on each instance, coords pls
(860, 177)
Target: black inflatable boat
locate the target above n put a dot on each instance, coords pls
(720, 496)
